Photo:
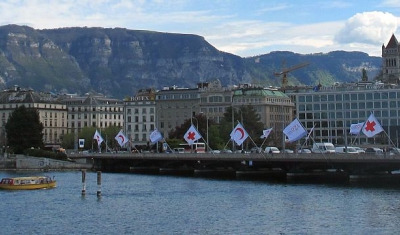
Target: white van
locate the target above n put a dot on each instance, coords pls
(323, 148)
(349, 150)
(271, 150)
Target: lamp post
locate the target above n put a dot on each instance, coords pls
(283, 127)
(156, 125)
(98, 116)
(197, 123)
(206, 130)
(344, 108)
(191, 114)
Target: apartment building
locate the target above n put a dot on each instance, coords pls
(174, 105)
(92, 111)
(52, 112)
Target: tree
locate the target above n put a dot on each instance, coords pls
(250, 120)
(24, 129)
(87, 133)
(200, 121)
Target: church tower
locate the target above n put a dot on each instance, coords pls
(391, 61)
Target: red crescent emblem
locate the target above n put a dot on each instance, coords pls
(241, 132)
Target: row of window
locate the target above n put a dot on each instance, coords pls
(94, 109)
(143, 110)
(178, 96)
(144, 127)
(370, 105)
(348, 97)
(85, 124)
(143, 119)
(105, 116)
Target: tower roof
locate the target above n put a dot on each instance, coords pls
(393, 43)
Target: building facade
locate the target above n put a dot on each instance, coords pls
(332, 110)
(92, 111)
(174, 106)
(52, 112)
(140, 116)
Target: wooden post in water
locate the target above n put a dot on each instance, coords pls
(98, 183)
(83, 182)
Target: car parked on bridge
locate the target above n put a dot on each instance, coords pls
(304, 151)
(256, 150)
(360, 150)
(373, 150)
(394, 150)
(345, 149)
(271, 150)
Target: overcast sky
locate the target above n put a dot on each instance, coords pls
(242, 27)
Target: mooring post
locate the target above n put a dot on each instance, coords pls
(83, 182)
(99, 183)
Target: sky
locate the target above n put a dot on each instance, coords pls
(242, 27)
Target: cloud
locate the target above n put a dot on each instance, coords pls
(247, 38)
(368, 28)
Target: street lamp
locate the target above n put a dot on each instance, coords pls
(197, 122)
(191, 114)
(283, 127)
(206, 129)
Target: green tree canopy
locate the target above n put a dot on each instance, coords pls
(24, 129)
(219, 134)
(70, 140)
(200, 122)
(250, 120)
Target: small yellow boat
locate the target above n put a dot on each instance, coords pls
(25, 183)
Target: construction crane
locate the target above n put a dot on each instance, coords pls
(285, 71)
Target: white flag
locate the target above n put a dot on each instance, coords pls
(121, 138)
(98, 137)
(372, 126)
(192, 135)
(356, 128)
(266, 133)
(155, 136)
(239, 134)
(295, 131)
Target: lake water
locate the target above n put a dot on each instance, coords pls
(147, 204)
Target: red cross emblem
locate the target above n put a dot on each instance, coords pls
(191, 136)
(370, 126)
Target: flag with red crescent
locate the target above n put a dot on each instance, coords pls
(98, 137)
(239, 134)
(121, 138)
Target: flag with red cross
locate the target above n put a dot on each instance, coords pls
(192, 135)
(372, 126)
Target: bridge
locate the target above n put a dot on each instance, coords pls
(283, 165)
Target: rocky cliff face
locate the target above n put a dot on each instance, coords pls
(118, 62)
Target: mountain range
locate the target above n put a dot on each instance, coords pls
(117, 62)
